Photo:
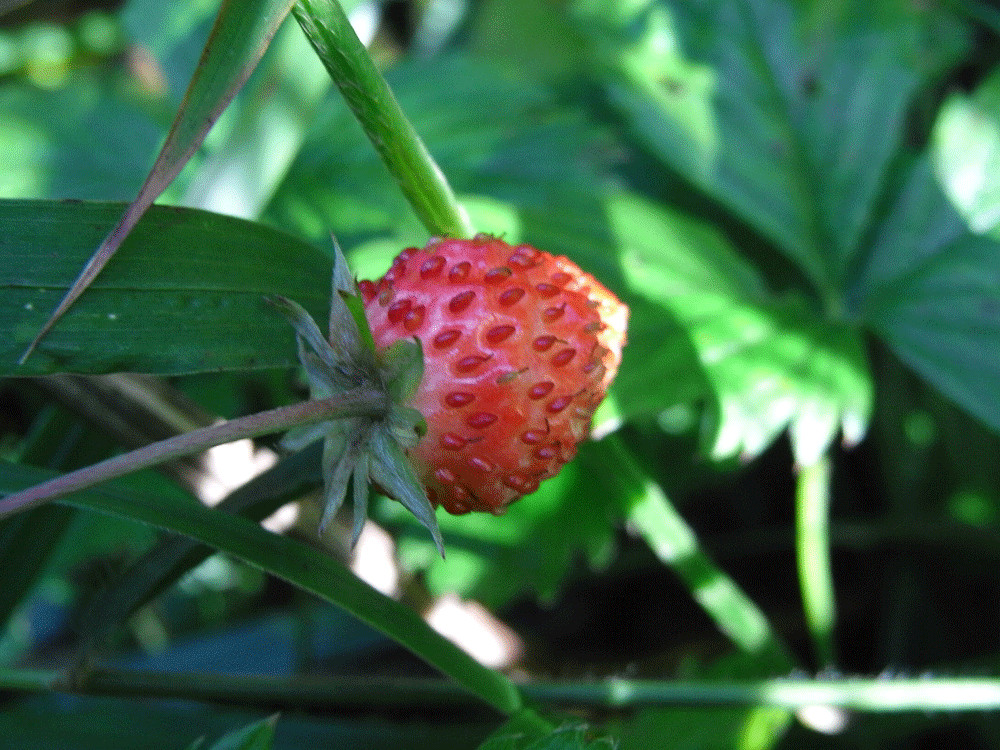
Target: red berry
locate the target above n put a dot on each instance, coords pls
(519, 349)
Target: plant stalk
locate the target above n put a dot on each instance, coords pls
(812, 548)
(354, 403)
(350, 693)
(674, 542)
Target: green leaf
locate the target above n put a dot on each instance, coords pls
(256, 736)
(789, 114)
(931, 290)
(174, 303)
(771, 363)
(241, 33)
(300, 565)
(524, 734)
(965, 151)
(54, 142)
(531, 145)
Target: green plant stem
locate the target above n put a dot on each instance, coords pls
(357, 402)
(351, 693)
(812, 549)
(673, 541)
(371, 100)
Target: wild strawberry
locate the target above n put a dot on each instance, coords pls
(519, 348)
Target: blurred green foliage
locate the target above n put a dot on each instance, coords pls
(797, 198)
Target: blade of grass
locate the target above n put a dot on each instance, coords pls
(812, 548)
(674, 542)
(374, 105)
(241, 34)
(167, 561)
(302, 566)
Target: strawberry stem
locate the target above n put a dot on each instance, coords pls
(362, 401)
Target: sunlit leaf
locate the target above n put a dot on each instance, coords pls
(966, 154)
(771, 362)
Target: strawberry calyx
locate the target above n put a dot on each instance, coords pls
(359, 452)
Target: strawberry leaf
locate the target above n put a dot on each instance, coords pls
(771, 363)
(791, 123)
(931, 290)
(966, 154)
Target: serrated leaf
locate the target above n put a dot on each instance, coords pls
(771, 363)
(966, 154)
(931, 289)
(788, 115)
(173, 303)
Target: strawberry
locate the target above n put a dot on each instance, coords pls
(519, 348)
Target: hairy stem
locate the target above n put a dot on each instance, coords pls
(354, 403)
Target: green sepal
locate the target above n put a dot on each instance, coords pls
(341, 451)
(348, 322)
(403, 369)
(307, 331)
(392, 470)
(360, 451)
(361, 481)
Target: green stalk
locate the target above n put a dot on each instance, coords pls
(673, 541)
(869, 695)
(812, 548)
(374, 105)
(351, 693)
(357, 402)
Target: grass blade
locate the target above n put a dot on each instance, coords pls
(242, 31)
